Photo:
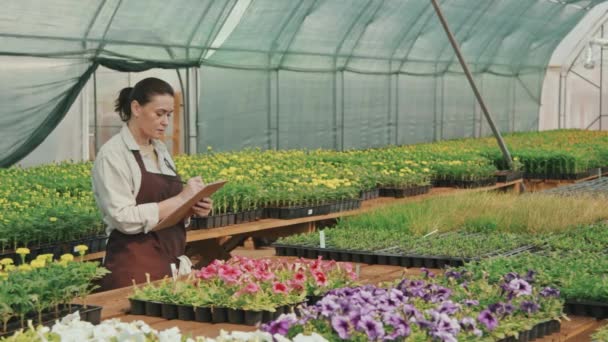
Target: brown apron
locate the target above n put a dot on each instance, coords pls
(131, 256)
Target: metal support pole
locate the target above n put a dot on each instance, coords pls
(601, 79)
(465, 68)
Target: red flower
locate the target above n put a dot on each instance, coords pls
(320, 278)
(278, 287)
(299, 278)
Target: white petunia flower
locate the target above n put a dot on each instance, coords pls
(170, 335)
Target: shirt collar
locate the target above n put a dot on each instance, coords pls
(129, 140)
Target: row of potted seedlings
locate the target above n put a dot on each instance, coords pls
(241, 290)
(44, 289)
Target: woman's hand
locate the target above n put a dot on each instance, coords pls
(203, 208)
(194, 185)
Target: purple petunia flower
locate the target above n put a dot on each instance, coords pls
(410, 310)
(529, 307)
(448, 307)
(427, 273)
(281, 326)
(471, 302)
(549, 292)
(400, 326)
(468, 323)
(341, 325)
(501, 309)
(510, 276)
(453, 274)
(371, 327)
(486, 318)
(366, 297)
(519, 287)
(346, 306)
(354, 318)
(328, 307)
(444, 336)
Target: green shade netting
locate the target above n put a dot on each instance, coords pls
(293, 73)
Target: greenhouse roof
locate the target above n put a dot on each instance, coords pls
(314, 35)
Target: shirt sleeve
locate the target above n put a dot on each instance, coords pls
(114, 195)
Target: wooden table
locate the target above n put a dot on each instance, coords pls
(205, 245)
(115, 305)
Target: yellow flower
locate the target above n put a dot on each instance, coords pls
(6, 261)
(52, 219)
(45, 257)
(81, 249)
(9, 268)
(3, 275)
(67, 257)
(37, 263)
(23, 251)
(24, 267)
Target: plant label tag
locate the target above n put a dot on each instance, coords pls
(322, 238)
(174, 271)
(358, 270)
(309, 211)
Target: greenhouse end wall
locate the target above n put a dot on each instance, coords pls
(281, 109)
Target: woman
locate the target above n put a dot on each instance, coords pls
(136, 185)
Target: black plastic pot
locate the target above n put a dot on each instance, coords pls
(202, 314)
(153, 309)
(168, 311)
(253, 317)
(236, 316)
(219, 315)
(138, 307)
(185, 312)
(91, 314)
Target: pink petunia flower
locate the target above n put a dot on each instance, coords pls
(251, 288)
(229, 274)
(207, 272)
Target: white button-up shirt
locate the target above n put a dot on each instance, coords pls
(117, 180)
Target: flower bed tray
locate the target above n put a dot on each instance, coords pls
(344, 205)
(365, 195)
(538, 331)
(508, 176)
(249, 216)
(372, 258)
(288, 213)
(206, 314)
(91, 314)
(563, 176)
(586, 308)
(404, 192)
(468, 184)
(213, 221)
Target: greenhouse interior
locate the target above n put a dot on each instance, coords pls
(303, 170)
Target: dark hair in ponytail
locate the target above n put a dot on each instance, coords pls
(142, 92)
